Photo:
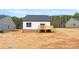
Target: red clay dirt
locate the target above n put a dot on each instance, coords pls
(62, 38)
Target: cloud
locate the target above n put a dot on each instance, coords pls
(24, 12)
(19, 13)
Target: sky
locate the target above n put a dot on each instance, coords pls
(24, 12)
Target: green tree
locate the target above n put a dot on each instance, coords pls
(76, 15)
(17, 21)
(59, 21)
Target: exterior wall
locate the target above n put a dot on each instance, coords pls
(71, 23)
(34, 25)
(6, 24)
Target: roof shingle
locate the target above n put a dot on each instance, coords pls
(2, 16)
(36, 18)
(76, 19)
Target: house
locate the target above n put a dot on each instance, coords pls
(6, 24)
(31, 22)
(72, 22)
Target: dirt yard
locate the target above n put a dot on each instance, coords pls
(62, 38)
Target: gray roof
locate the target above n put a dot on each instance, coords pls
(2, 16)
(36, 18)
(76, 19)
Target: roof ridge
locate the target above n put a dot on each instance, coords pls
(3, 16)
(37, 18)
(76, 19)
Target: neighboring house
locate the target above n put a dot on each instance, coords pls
(31, 22)
(73, 22)
(6, 24)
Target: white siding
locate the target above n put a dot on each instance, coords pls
(34, 25)
(71, 22)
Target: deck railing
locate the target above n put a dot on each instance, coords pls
(45, 28)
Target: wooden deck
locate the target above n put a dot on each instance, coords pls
(45, 28)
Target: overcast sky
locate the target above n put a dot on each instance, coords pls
(24, 12)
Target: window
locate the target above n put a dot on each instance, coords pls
(28, 24)
(8, 26)
(74, 24)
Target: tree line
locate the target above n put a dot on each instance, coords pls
(17, 21)
(57, 20)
